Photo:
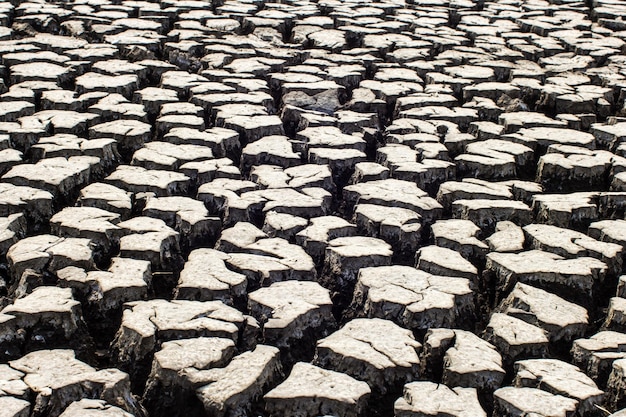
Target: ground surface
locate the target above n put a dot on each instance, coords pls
(309, 208)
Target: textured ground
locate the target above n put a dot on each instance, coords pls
(311, 208)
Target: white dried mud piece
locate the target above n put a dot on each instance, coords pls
(427, 174)
(490, 90)
(487, 213)
(202, 172)
(167, 122)
(399, 227)
(34, 203)
(11, 59)
(125, 280)
(468, 189)
(45, 306)
(12, 384)
(216, 193)
(49, 253)
(616, 385)
(571, 168)
(60, 121)
(412, 298)
(66, 145)
(57, 379)
(115, 106)
(330, 137)
(64, 100)
(310, 391)
(428, 399)
(615, 315)
(562, 320)
(152, 98)
(508, 237)
(106, 197)
(609, 135)
(611, 231)
(59, 176)
(494, 159)
(516, 339)
(424, 99)
(376, 351)
(270, 150)
(231, 390)
(166, 156)
(223, 112)
(130, 134)
(278, 260)
(546, 136)
(572, 244)
(471, 362)
(9, 158)
(11, 111)
(14, 407)
(137, 180)
(345, 256)
(558, 377)
(93, 408)
(205, 277)
(340, 161)
(254, 128)
(515, 402)
(146, 324)
(596, 354)
(515, 121)
(291, 312)
(151, 240)
(394, 193)
(437, 260)
(178, 360)
(460, 236)
(282, 225)
(571, 210)
(221, 141)
(368, 171)
(321, 230)
(91, 223)
(297, 177)
(12, 229)
(187, 216)
(574, 279)
(238, 237)
(124, 84)
(307, 203)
